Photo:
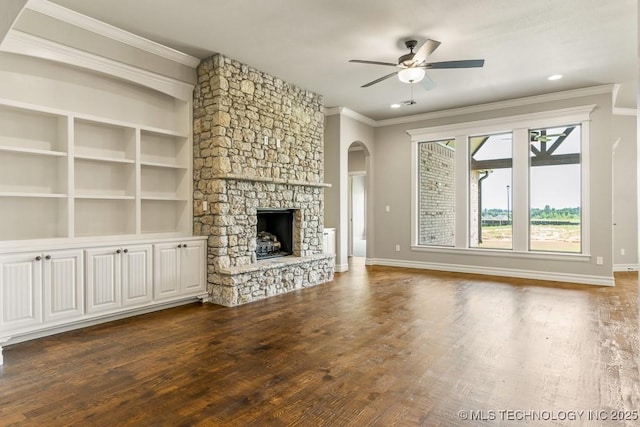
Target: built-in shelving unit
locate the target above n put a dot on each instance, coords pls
(66, 175)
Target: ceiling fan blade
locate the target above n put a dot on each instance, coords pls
(380, 79)
(425, 50)
(427, 83)
(362, 61)
(469, 63)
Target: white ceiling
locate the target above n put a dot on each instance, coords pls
(309, 43)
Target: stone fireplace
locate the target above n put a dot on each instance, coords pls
(258, 162)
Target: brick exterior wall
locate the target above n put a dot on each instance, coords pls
(436, 210)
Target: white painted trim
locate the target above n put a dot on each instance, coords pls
(343, 111)
(614, 93)
(101, 319)
(625, 267)
(549, 118)
(625, 111)
(89, 117)
(357, 173)
(114, 33)
(502, 272)
(369, 261)
(511, 103)
(341, 268)
(504, 253)
(518, 102)
(27, 44)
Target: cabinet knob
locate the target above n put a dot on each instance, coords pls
(184, 245)
(126, 250)
(118, 251)
(47, 257)
(179, 246)
(38, 258)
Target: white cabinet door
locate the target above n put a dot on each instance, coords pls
(136, 275)
(103, 279)
(166, 270)
(192, 269)
(63, 284)
(20, 291)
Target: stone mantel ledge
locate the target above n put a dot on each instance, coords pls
(271, 263)
(270, 180)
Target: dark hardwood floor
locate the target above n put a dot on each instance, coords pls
(377, 346)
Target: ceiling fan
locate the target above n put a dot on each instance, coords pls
(413, 64)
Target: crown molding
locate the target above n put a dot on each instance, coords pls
(343, 111)
(98, 27)
(625, 111)
(27, 44)
(511, 103)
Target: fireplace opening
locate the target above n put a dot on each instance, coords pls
(274, 236)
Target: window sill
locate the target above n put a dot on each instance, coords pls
(556, 256)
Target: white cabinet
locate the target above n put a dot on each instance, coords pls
(63, 283)
(118, 276)
(45, 291)
(179, 269)
(21, 287)
(40, 287)
(137, 275)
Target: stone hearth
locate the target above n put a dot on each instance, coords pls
(258, 143)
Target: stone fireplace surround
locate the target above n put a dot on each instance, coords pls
(258, 143)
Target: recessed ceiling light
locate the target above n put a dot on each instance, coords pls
(555, 77)
(396, 105)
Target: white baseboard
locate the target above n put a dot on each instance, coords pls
(504, 272)
(369, 261)
(18, 338)
(625, 267)
(341, 268)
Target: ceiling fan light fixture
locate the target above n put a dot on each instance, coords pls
(396, 105)
(411, 75)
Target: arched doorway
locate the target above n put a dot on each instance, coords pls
(358, 167)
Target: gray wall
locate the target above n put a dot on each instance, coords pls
(392, 185)
(624, 192)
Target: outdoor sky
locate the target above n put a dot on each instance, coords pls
(556, 186)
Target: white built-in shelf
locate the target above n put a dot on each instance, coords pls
(103, 197)
(34, 151)
(163, 165)
(103, 159)
(65, 174)
(32, 195)
(163, 197)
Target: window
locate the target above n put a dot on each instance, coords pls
(504, 184)
(554, 195)
(436, 207)
(490, 216)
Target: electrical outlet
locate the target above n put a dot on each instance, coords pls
(387, 208)
(205, 205)
(278, 143)
(622, 251)
(266, 140)
(599, 260)
(397, 248)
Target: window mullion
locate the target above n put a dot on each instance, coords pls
(462, 192)
(520, 194)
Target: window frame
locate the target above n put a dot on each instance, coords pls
(519, 126)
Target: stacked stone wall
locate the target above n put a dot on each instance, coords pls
(258, 143)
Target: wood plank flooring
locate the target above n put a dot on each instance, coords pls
(377, 346)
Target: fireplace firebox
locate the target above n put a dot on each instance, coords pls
(274, 236)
